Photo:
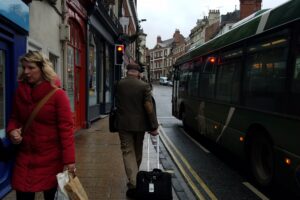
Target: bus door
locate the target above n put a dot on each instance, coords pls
(175, 109)
(206, 90)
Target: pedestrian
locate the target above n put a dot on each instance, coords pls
(135, 116)
(46, 146)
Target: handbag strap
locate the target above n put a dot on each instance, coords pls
(38, 107)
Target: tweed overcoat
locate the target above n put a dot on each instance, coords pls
(48, 143)
(135, 111)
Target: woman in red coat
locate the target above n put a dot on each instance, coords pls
(47, 145)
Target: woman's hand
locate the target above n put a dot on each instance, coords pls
(15, 136)
(70, 167)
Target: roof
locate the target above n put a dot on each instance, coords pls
(166, 43)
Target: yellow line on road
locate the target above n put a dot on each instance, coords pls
(195, 175)
(183, 172)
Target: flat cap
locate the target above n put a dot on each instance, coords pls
(132, 66)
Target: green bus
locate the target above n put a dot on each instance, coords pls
(242, 90)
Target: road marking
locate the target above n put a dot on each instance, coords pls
(255, 191)
(183, 172)
(197, 143)
(188, 166)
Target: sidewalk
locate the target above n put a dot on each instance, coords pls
(99, 163)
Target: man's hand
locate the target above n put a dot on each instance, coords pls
(15, 136)
(153, 133)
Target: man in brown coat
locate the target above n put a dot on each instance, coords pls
(135, 116)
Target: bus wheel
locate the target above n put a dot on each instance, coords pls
(261, 160)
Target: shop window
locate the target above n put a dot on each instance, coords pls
(54, 60)
(92, 75)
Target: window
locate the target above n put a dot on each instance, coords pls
(184, 78)
(2, 93)
(92, 73)
(266, 74)
(193, 82)
(293, 106)
(207, 78)
(54, 60)
(228, 76)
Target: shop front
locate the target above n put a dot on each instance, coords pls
(14, 27)
(76, 63)
(102, 73)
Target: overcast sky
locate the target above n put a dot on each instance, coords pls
(164, 16)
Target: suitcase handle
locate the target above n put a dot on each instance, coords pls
(157, 150)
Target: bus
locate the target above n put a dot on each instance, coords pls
(242, 91)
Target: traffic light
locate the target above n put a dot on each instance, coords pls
(119, 52)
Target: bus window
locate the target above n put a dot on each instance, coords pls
(266, 74)
(193, 82)
(228, 79)
(207, 78)
(295, 94)
(185, 74)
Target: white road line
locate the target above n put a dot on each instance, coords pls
(197, 143)
(255, 191)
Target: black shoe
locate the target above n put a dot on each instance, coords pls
(131, 193)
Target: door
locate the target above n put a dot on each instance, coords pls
(76, 75)
(5, 168)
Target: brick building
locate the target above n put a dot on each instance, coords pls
(164, 54)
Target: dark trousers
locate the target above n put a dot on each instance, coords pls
(48, 195)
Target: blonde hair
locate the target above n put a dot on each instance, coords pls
(42, 62)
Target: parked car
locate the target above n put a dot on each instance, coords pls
(170, 83)
(163, 80)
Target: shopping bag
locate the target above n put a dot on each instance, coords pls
(75, 189)
(62, 180)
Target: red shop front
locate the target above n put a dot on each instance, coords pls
(76, 62)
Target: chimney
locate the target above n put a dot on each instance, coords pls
(176, 36)
(158, 39)
(247, 7)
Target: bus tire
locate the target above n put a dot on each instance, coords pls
(261, 159)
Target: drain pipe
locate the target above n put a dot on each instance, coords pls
(64, 41)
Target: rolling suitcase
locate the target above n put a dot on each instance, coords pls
(155, 184)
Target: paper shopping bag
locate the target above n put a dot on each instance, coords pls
(75, 189)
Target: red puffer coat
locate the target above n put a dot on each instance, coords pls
(48, 143)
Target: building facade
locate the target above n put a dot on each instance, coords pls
(164, 54)
(103, 30)
(205, 28)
